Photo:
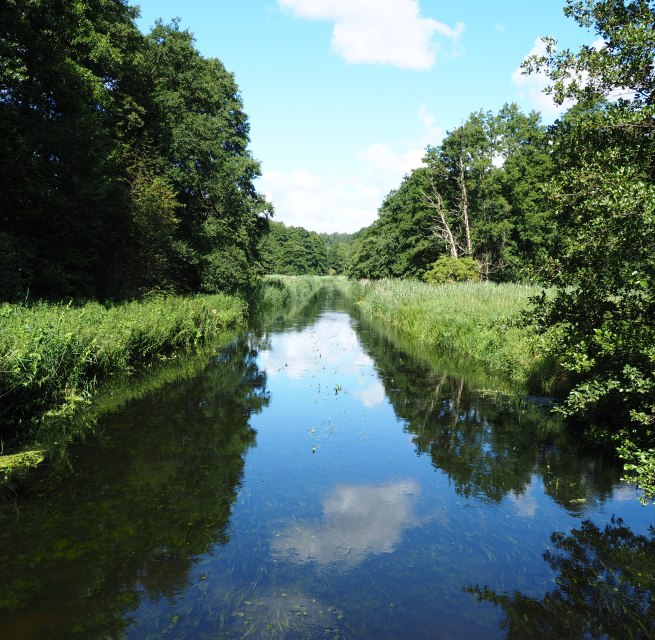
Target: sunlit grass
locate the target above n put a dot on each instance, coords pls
(481, 322)
(52, 356)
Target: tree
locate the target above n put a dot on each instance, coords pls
(478, 194)
(293, 251)
(198, 128)
(602, 317)
(398, 243)
(124, 161)
(486, 180)
(66, 114)
(339, 247)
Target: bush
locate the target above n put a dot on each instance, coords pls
(448, 269)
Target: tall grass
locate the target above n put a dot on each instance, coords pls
(281, 293)
(481, 322)
(52, 356)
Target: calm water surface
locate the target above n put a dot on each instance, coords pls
(317, 480)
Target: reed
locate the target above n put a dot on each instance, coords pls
(480, 322)
(52, 355)
(280, 293)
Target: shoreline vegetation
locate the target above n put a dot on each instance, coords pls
(53, 358)
(481, 322)
(56, 360)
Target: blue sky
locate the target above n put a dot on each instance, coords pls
(343, 96)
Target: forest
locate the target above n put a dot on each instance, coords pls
(125, 171)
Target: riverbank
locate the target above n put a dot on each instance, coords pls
(481, 322)
(53, 356)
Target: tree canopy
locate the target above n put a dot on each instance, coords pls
(293, 251)
(602, 315)
(478, 194)
(124, 162)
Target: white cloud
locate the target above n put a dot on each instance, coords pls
(346, 204)
(524, 503)
(379, 31)
(320, 203)
(358, 521)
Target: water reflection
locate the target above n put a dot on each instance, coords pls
(372, 396)
(381, 487)
(491, 445)
(155, 492)
(605, 588)
(358, 521)
(323, 346)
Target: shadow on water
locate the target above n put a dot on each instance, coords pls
(152, 493)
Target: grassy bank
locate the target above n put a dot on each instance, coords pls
(283, 293)
(480, 322)
(53, 356)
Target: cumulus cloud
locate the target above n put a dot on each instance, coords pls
(320, 203)
(380, 31)
(358, 521)
(347, 203)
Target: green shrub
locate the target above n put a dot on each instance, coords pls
(449, 269)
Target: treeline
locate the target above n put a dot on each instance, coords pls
(295, 251)
(124, 161)
(478, 196)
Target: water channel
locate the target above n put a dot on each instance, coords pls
(316, 478)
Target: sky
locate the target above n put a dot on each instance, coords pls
(344, 96)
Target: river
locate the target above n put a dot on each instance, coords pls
(316, 478)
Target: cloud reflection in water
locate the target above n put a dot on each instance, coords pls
(358, 521)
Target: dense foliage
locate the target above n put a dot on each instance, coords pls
(479, 194)
(603, 314)
(296, 251)
(123, 164)
(293, 251)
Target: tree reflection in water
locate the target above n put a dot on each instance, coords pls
(154, 493)
(491, 444)
(605, 585)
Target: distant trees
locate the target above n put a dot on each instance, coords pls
(123, 158)
(293, 251)
(296, 251)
